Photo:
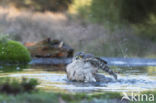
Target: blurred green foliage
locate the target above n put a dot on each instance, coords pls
(147, 29)
(14, 86)
(51, 97)
(81, 7)
(4, 38)
(7, 68)
(131, 11)
(104, 11)
(13, 51)
(139, 15)
(39, 5)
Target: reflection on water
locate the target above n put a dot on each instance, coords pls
(130, 78)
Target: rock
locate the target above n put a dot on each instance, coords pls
(50, 49)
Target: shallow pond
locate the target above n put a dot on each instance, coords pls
(130, 78)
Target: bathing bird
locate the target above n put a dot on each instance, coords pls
(85, 66)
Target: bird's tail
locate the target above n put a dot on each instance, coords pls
(108, 70)
(101, 64)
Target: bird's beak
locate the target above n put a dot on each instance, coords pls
(76, 57)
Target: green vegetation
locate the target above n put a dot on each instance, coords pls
(13, 52)
(14, 86)
(120, 11)
(147, 29)
(13, 68)
(82, 96)
(44, 97)
(23, 91)
(136, 14)
(132, 11)
(120, 45)
(109, 30)
(131, 33)
(147, 93)
(80, 7)
(39, 5)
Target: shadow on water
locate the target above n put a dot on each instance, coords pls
(53, 77)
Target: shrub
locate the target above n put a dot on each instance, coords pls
(13, 52)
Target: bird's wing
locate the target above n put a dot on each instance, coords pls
(93, 61)
(101, 64)
(101, 60)
(96, 62)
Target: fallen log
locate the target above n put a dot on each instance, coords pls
(49, 49)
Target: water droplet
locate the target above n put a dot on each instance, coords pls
(126, 49)
(18, 68)
(90, 15)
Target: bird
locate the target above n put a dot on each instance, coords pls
(85, 66)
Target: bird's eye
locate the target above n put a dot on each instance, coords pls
(80, 57)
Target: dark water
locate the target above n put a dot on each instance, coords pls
(133, 75)
(126, 62)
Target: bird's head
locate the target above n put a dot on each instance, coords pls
(81, 55)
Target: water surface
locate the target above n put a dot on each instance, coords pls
(130, 78)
